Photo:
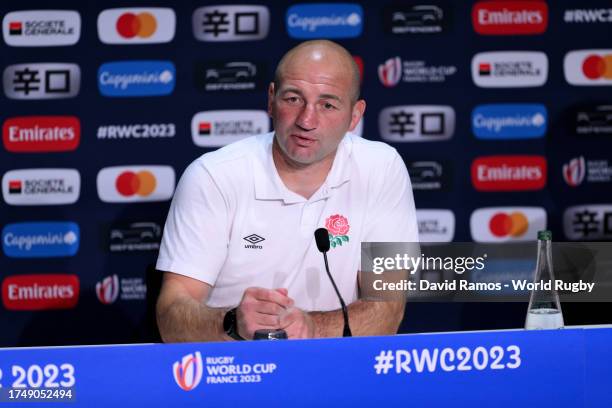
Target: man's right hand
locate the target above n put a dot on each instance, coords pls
(260, 309)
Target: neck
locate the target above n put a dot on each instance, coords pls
(302, 179)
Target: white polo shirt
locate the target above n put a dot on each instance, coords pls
(234, 224)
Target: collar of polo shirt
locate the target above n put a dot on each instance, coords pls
(269, 186)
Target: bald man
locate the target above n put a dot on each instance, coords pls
(238, 249)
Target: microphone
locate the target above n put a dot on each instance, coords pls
(322, 239)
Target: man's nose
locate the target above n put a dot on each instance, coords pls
(307, 119)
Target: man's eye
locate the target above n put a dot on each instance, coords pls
(292, 99)
(328, 106)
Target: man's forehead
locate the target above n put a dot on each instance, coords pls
(321, 90)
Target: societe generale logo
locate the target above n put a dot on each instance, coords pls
(41, 186)
(435, 225)
(588, 67)
(107, 290)
(507, 224)
(188, 371)
(510, 69)
(40, 292)
(41, 28)
(222, 127)
(40, 134)
(509, 173)
(510, 17)
(135, 183)
(136, 25)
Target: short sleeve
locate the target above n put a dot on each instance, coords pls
(392, 217)
(196, 232)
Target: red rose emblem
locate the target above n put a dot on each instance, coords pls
(337, 225)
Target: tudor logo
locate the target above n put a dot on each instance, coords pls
(510, 17)
(41, 134)
(136, 25)
(135, 183)
(40, 292)
(588, 67)
(188, 371)
(507, 224)
(509, 173)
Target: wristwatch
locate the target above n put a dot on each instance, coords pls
(230, 325)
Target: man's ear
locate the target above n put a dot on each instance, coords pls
(271, 91)
(357, 113)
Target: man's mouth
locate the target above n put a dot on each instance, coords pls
(303, 141)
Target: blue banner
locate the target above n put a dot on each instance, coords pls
(569, 367)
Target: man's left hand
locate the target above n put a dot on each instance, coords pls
(297, 324)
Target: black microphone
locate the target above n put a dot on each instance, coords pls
(322, 239)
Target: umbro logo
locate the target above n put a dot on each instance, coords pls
(253, 240)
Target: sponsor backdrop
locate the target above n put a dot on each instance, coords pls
(501, 110)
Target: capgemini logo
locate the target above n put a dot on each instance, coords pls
(390, 72)
(353, 19)
(108, 290)
(188, 372)
(70, 238)
(166, 77)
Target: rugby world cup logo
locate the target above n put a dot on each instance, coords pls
(574, 171)
(390, 72)
(108, 289)
(188, 372)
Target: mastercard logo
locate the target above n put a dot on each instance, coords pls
(598, 66)
(137, 25)
(509, 225)
(130, 25)
(588, 67)
(142, 183)
(135, 183)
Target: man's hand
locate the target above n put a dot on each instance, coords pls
(297, 323)
(261, 309)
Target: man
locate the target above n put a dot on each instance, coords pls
(238, 245)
